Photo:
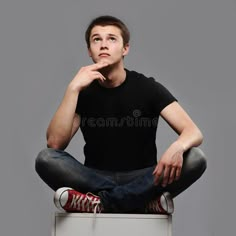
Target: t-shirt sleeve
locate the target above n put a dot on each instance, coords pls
(163, 97)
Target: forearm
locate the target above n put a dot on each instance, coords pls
(170, 164)
(60, 127)
(190, 137)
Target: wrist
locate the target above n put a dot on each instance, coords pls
(73, 88)
(181, 146)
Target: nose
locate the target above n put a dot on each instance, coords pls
(104, 44)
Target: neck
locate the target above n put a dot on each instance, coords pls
(115, 75)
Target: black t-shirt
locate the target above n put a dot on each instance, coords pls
(119, 124)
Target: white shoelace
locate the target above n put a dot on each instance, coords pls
(87, 203)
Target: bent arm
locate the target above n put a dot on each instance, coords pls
(189, 134)
(170, 163)
(65, 121)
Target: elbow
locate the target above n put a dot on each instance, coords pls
(199, 137)
(55, 144)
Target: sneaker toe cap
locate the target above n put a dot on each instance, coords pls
(61, 197)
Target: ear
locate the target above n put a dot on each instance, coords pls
(125, 49)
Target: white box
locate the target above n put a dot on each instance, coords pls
(89, 224)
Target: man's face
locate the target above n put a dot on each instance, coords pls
(106, 44)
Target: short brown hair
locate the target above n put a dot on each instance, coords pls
(108, 20)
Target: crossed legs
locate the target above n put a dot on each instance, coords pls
(120, 191)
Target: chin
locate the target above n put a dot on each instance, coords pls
(105, 60)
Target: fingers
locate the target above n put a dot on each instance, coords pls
(86, 75)
(178, 173)
(169, 174)
(166, 176)
(92, 70)
(172, 175)
(98, 66)
(98, 75)
(158, 173)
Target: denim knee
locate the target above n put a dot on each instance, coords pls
(197, 159)
(43, 159)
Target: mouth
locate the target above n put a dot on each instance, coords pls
(104, 55)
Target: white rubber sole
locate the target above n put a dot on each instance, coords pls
(61, 197)
(167, 202)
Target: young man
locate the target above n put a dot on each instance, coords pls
(117, 111)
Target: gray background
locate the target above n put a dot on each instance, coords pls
(187, 45)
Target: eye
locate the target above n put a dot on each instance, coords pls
(112, 39)
(96, 39)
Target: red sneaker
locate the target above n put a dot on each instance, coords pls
(162, 205)
(72, 201)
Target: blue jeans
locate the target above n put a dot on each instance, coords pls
(127, 191)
